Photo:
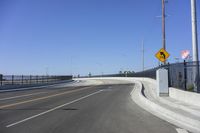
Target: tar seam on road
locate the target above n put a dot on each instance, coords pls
(41, 98)
(34, 116)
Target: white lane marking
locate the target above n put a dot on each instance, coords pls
(8, 98)
(107, 90)
(179, 130)
(45, 112)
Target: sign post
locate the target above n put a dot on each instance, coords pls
(162, 74)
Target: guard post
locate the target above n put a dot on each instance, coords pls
(162, 82)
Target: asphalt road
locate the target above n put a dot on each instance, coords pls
(97, 109)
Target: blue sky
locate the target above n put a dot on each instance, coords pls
(82, 36)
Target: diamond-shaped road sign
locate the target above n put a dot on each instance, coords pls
(162, 55)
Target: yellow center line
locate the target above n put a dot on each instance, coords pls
(42, 98)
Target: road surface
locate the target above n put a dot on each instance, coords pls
(95, 109)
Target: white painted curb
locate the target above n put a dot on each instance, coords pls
(163, 113)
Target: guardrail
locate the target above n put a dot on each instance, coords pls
(30, 79)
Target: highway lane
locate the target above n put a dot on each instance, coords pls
(35, 96)
(100, 109)
(29, 90)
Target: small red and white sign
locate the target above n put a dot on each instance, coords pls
(185, 54)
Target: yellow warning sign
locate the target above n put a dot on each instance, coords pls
(162, 55)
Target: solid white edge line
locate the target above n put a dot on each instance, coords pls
(179, 130)
(45, 112)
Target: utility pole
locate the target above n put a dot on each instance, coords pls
(163, 26)
(195, 46)
(142, 55)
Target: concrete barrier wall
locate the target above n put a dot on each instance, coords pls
(185, 96)
(181, 95)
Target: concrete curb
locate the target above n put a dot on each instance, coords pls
(163, 113)
(152, 85)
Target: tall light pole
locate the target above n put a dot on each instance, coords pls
(142, 55)
(194, 31)
(195, 46)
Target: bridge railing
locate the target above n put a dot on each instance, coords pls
(184, 75)
(30, 79)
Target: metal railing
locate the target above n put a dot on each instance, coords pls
(30, 79)
(183, 75)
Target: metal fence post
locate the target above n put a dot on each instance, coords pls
(169, 75)
(22, 79)
(12, 79)
(58, 78)
(47, 78)
(30, 79)
(1, 78)
(37, 79)
(54, 78)
(185, 75)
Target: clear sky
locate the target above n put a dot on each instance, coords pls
(82, 36)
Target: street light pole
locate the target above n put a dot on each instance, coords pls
(195, 46)
(194, 31)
